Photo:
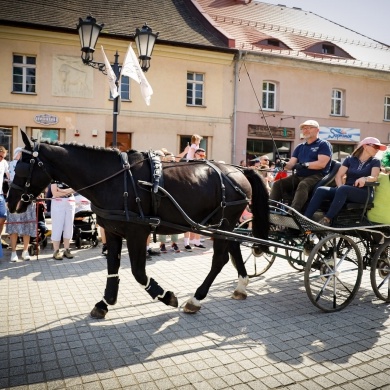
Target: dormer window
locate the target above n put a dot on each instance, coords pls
(328, 49)
(273, 42)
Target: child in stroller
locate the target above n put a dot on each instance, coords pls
(84, 224)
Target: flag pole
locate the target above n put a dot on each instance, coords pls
(116, 103)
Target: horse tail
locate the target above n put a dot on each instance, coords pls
(260, 207)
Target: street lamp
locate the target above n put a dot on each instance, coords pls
(89, 32)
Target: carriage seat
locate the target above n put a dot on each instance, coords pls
(355, 213)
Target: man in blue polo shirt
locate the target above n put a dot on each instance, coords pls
(310, 162)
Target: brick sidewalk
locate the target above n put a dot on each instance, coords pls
(274, 339)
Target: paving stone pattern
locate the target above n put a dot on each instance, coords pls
(274, 339)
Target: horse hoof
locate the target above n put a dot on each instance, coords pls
(239, 296)
(170, 299)
(173, 301)
(98, 314)
(190, 308)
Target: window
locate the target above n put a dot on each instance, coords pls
(195, 86)
(6, 140)
(387, 108)
(124, 87)
(186, 140)
(269, 96)
(327, 49)
(259, 147)
(24, 68)
(47, 134)
(337, 102)
(273, 42)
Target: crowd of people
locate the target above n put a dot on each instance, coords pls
(309, 163)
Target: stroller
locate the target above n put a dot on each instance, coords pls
(39, 242)
(85, 229)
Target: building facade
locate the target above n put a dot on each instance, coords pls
(241, 74)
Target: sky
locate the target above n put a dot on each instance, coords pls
(367, 17)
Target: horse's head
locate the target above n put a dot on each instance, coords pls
(30, 178)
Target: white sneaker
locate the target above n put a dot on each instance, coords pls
(14, 257)
(25, 255)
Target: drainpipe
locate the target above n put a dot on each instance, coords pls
(237, 58)
(234, 129)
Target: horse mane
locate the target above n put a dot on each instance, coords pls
(92, 147)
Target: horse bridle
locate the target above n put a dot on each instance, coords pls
(28, 197)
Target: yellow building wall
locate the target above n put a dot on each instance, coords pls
(79, 95)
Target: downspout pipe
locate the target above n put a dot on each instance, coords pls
(237, 59)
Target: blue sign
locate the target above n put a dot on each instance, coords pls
(340, 134)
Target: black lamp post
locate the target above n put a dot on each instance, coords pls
(89, 32)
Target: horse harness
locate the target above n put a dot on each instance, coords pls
(156, 187)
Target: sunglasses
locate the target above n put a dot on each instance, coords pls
(200, 155)
(377, 147)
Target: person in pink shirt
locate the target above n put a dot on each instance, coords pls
(195, 141)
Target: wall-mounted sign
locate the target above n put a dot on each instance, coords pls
(340, 134)
(278, 132)
(46, 119)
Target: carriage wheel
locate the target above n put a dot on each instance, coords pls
(256, 261)
(298, 259)
(333, 272)
(295, 259)
(380, 272)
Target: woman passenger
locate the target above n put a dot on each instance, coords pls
(361, 167)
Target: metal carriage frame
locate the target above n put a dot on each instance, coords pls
(332, 258)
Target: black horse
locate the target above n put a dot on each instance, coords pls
(133, 194)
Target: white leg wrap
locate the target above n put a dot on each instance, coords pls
(242, 283)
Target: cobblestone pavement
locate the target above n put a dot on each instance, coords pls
(274, 339)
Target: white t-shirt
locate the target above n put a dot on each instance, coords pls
(3, 170)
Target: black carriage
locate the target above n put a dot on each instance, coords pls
(332, 258)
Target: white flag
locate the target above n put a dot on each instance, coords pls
(111, 76)
(132, 69)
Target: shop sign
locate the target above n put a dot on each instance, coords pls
(277, 132)
(340, 134)
(46, 119)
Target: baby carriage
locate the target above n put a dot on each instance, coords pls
(84, 228)
(39, 242)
